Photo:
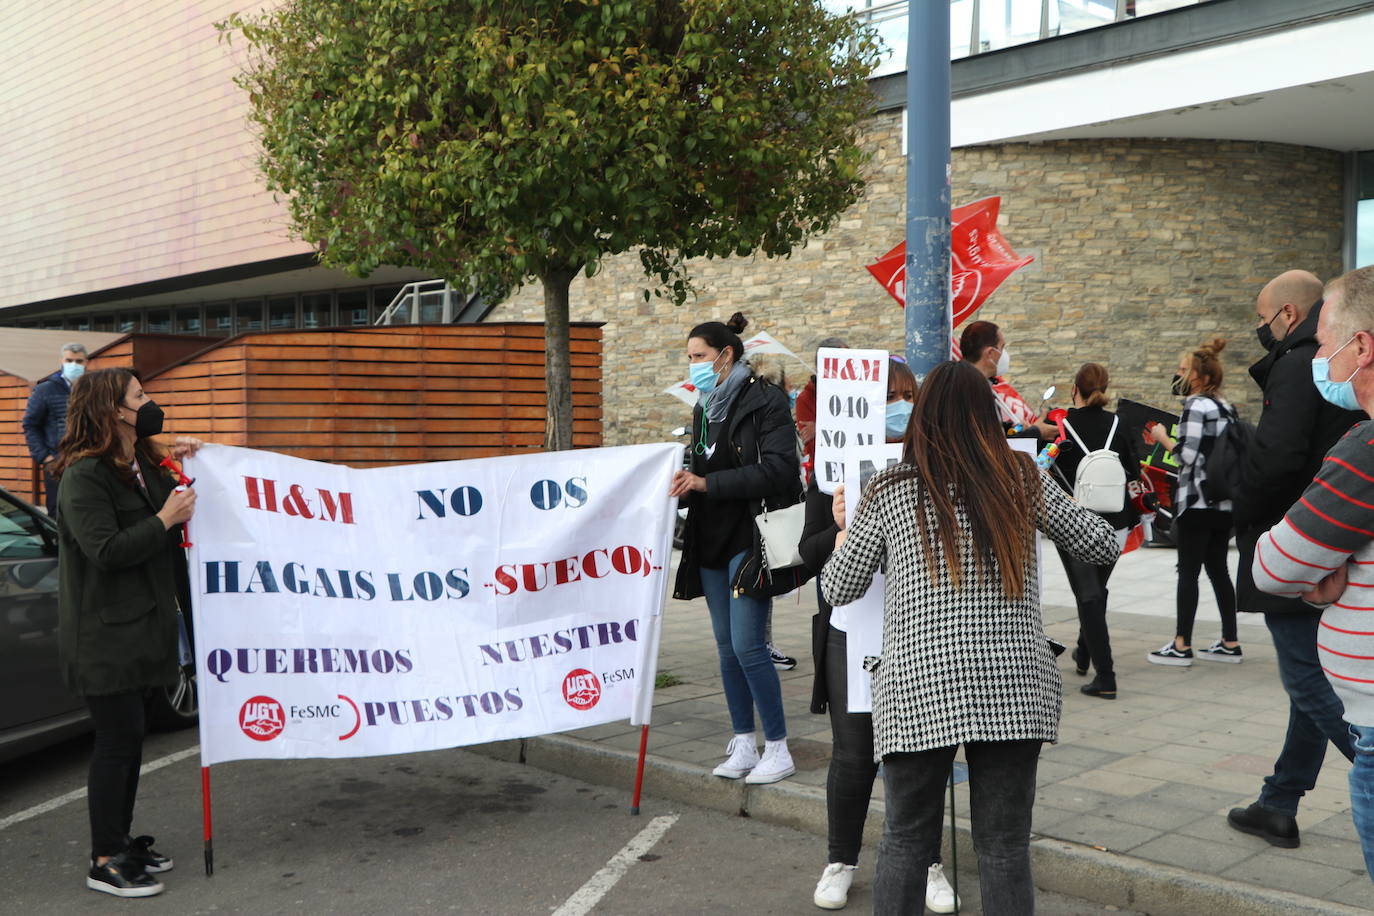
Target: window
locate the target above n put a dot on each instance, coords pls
(317, 310)
(103, 323)
(218, 320)
(353, 308)
(159, 321)
(188, 320)
(281, 313)
(129, 322)
(1364, 209)
(20, 534)
(78, 323)
(248, 315)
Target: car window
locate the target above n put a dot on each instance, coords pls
(20, 535)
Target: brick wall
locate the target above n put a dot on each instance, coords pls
(1143, 248)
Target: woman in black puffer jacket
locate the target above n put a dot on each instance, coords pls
(743, 453)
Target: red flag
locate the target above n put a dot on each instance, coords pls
(980, 260)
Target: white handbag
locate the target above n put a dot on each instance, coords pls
(781, 531)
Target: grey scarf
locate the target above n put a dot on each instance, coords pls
(717, 404)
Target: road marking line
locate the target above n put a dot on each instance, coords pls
(600, 884)
(53, 804)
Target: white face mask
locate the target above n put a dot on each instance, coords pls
(1004, 362)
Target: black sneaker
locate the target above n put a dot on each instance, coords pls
(1217, 652)
(1169, 655)
(1276, 828)
(140, 849)
(122, 877)
(1100, 687)
(780, 661)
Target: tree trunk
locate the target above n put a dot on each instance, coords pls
(558, 425)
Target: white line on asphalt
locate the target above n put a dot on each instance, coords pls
(600, 884)
(53, 804)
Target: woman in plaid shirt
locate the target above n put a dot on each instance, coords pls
(1202, 526)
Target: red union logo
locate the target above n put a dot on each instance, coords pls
(262, 719)
(581, 689)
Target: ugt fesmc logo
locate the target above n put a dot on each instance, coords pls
(581, 689)
(262, 718)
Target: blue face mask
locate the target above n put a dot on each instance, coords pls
(73, 371)
(703, 376)
(898, 415)
(1342, 394)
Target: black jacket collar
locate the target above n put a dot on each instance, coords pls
(1304, 334)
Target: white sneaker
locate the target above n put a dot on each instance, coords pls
(744, 756)
(832, 891)
(940, 897)
(776, 764)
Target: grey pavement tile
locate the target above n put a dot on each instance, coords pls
(1202, 800)
(700, 752)
(687, 727)
(1082, 758)
(1045, 817)
(1113, 782)
(659, 743)
(1273, 868)
(1050, 771)
(1191, 853)
(1074, 798)
(1340, 826)
(1332, 851)
(1104, 832)
(1356, 892)
(1147, 810)
(1184, 754)
(610, 729)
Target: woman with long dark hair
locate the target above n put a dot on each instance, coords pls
(122, 574)
(964, 656)
(743, 455)
(849, 779)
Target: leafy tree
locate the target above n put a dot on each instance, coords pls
(495, 141)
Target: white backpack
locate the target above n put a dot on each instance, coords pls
(1100, 484)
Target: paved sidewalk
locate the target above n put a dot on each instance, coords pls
(1146, 780)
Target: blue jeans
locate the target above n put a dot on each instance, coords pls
(1362, 791)
(746, 671)
(1314, 713)
(1001, 795)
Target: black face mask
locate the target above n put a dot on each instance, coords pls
(1178, 387)
(148, 421)
(1266, 337)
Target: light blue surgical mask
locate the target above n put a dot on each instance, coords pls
(703, 376)
(1342, 394)
(73, 371)
(898, 415)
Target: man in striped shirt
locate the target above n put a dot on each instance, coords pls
(1323, 550)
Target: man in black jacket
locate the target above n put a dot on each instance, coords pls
(45, 417)
(1296, 429)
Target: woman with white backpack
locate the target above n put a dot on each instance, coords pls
(1095, 462)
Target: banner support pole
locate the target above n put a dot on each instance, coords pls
(208, 823)
(639, 769)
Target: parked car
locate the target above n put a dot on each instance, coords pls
(36, 708)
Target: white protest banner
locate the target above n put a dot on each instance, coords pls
(347, 613)
(863, 620)
(851, 404)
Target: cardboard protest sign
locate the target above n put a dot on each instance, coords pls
(851, 405)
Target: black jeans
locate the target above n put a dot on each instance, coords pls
(115, 760)
(1089, 585)
(1202, 536)
(849, 781)
(1001, 794)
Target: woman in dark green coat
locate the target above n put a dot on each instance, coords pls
(119, 562)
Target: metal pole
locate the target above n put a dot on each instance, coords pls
(927, 185)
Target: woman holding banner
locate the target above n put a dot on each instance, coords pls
(122, 574)
(964, 655)
(849, 780)
(743, 453)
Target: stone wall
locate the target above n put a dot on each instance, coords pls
(1143, 248)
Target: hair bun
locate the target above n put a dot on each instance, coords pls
(737, 323)
(1216, 345)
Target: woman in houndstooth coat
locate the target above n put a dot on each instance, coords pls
(964, 654)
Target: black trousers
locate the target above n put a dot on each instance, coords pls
(115, 760)
(1203, 536)
(1089, 585)
(49, 493)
